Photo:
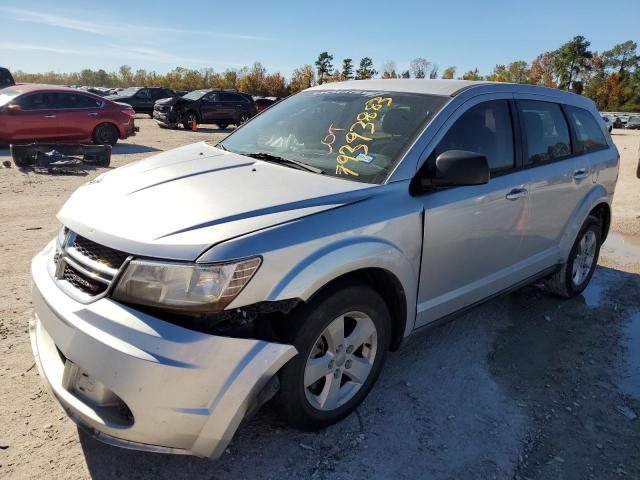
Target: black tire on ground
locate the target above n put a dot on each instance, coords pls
(105, 134)
(244, 118)
(188, 119)
(223, 126)
(303, 329)
(562, 283)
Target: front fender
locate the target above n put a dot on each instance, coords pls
(345, 256)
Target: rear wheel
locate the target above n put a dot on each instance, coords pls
(105, 134)
(574, 276)
(342, 338)
(223, 126)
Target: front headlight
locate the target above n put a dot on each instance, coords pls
(188, 288)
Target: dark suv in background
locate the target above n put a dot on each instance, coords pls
(6, 80)
(142, 99)
(218, 106)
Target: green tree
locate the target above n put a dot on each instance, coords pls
(571, 60)
(365, 69)
(347, 69)
(622, 57)
(449, 73)
(324, 65)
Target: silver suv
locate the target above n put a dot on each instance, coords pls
(185, 290)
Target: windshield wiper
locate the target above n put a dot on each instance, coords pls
(268, 157)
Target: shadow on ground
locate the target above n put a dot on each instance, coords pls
(467, 400)
(128, 148)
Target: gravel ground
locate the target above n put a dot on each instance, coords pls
(526, 386)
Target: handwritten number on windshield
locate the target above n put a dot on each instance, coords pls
(365, 120)
(330, 139)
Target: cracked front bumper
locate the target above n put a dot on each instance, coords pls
(138, 382)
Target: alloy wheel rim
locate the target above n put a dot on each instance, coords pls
(340, 361)
(243, 119)
(584, 259)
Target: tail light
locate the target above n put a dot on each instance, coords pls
(129, 111)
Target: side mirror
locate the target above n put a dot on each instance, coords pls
(456, 168)
(13, 108)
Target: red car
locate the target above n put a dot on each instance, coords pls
(30, 113)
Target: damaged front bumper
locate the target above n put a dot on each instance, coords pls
(138, 382)
(166, 119)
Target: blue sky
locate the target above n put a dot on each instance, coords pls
(158, 35)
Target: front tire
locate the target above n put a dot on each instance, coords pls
(574, 276)
(342, 338)
(105, 134)
(189, 117)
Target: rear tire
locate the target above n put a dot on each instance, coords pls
(342, 337)
(105, 134)
(223, 126)
(574, 275)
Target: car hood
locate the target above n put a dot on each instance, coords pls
(178, 203)
(171, 100)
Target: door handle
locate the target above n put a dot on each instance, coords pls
(516, 193)
(580, 173)
(93, 114)
(49, 116)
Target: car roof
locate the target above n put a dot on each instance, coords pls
(37, 87)
(451, 88)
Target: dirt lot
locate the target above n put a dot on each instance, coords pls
(526, 386)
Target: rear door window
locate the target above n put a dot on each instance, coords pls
(75, 100)
(231, 97)
(588, 132)
(484, 128)
(545, 131)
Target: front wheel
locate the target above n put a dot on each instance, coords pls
(188, 119)
(574, 276)
(342, 338)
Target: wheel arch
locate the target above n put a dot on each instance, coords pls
(596, 201)
(374, 262)
(385, 284)
(110, 123)
(602, 212)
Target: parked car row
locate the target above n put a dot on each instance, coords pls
(622, 119)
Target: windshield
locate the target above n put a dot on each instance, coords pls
(127, 92)
(357, 135)
(195, 95)
(8, 94)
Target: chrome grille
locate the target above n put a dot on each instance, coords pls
(85, 269)
(99, 253)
